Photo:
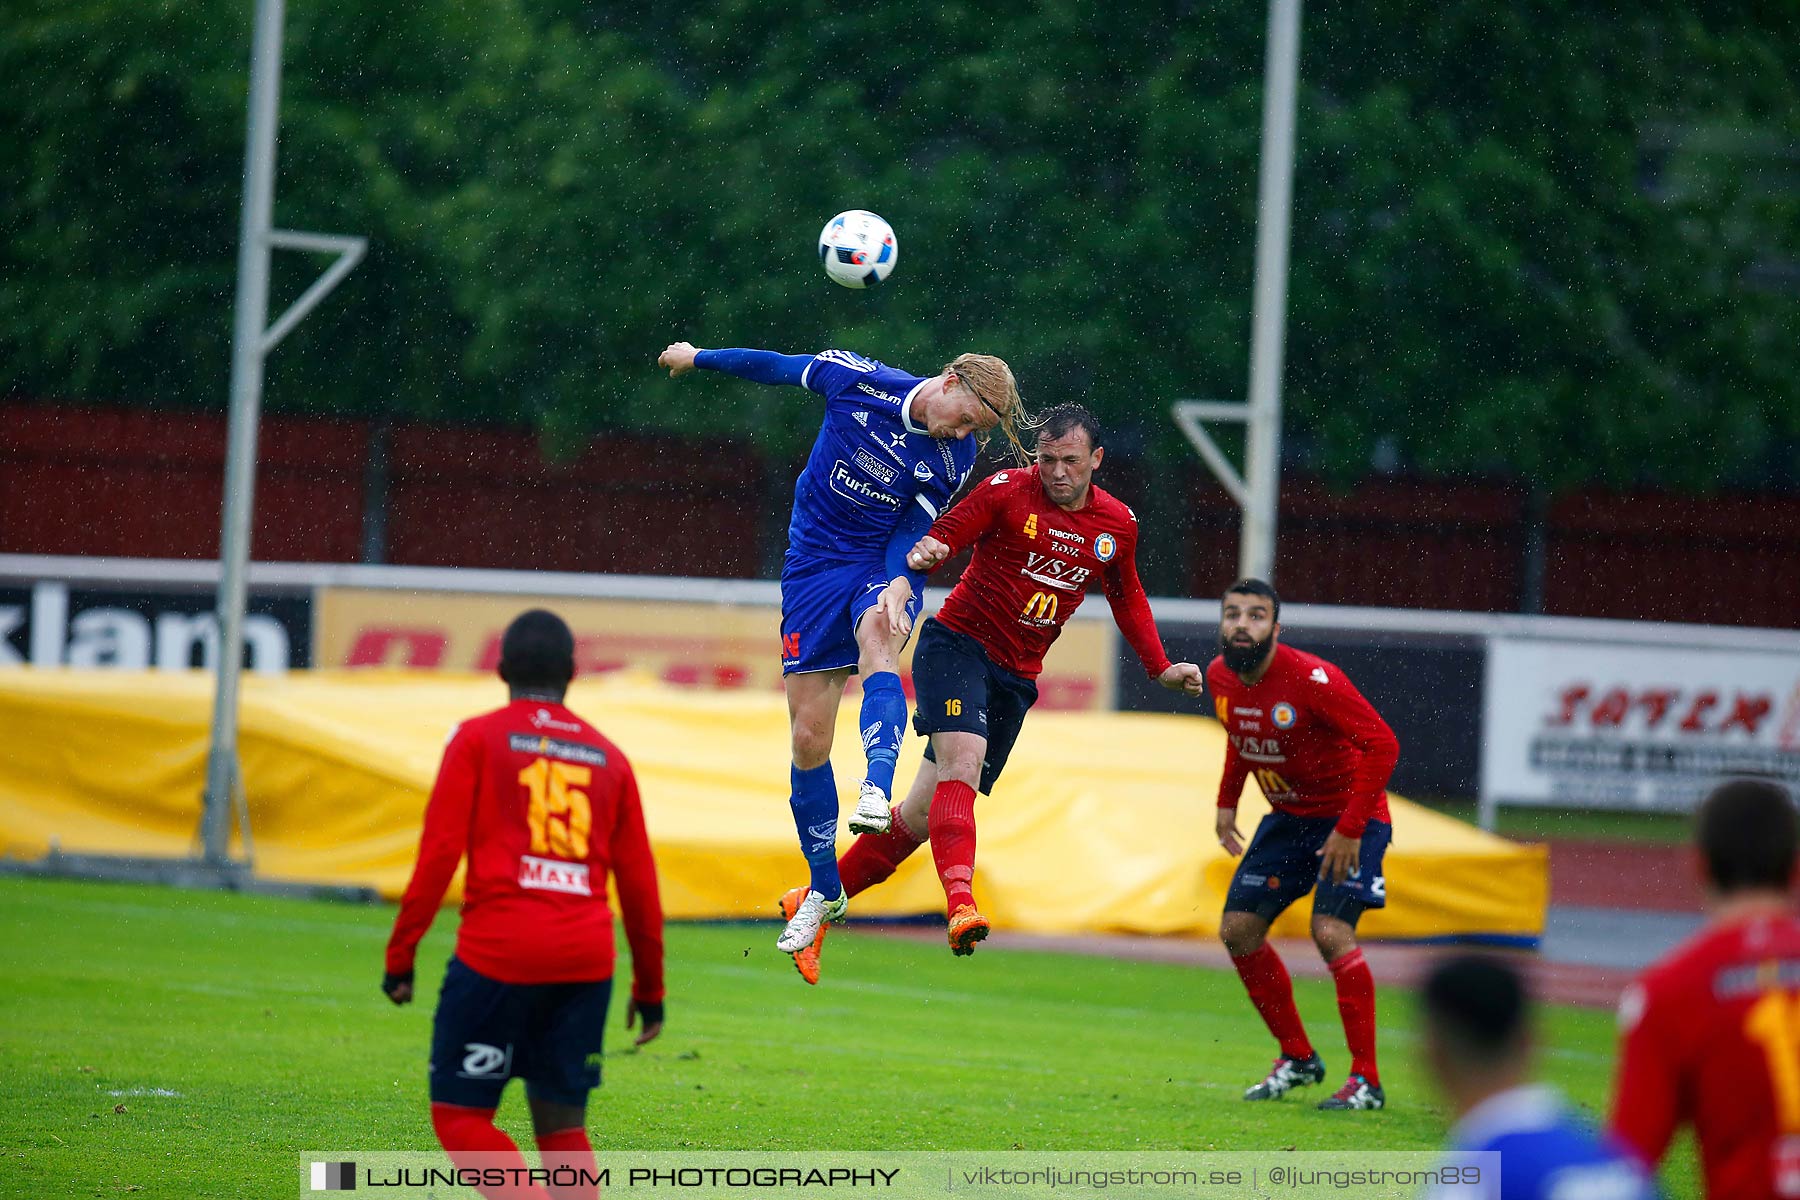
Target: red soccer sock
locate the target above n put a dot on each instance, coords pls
(953, 841)
(568, 1153)
(873, 857)
(1356, 1004)
(474, 1141)
(1265, 977)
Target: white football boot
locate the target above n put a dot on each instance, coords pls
(813, 912)
(872, 813)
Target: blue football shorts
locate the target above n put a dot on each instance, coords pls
(1281, 865)
(486, 1032)
(822, 599)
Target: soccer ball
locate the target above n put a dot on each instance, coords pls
(857, 249)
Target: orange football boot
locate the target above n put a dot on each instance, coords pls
(806, 961)
(966, 928)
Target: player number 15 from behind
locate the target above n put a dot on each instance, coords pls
(558, 813)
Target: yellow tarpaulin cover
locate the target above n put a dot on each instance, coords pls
(1102, 822)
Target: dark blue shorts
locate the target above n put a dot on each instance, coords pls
(1281, 865)
(486, 1032)
(958, 688)
(822, 599)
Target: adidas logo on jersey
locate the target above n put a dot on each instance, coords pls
(862, 418)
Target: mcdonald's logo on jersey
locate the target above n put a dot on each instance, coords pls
(1040, 609)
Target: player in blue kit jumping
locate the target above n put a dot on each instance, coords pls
(892, 450)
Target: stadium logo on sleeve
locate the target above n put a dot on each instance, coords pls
(1283, 715)
(1105, 547)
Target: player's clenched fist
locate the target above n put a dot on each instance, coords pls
(927, 554)
(679, 358)
(1183, 677)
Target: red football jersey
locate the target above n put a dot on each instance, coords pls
(1711, 1035)
(545, 807)
(1032, 567)
(1317, 747)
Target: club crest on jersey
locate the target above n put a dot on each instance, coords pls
(921, 471)
(1105, 546)
(1283, 715)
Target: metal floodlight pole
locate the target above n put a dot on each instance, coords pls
(1256, 552)
(250, 345)
(1257, 490)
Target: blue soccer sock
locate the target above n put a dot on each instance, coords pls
(815, 804)
(883, 723)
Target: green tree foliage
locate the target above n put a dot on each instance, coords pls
(1525, 237)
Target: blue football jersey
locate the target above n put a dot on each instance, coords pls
(1545, 1153)
(870, 463)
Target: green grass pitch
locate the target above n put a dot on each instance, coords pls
(188, 1044)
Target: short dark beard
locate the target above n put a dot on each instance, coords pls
(1244, 659)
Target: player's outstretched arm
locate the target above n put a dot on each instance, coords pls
(758, 366)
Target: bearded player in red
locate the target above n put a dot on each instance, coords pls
(1322, 756)
(1711, 1034)
(1042, 535)
(544, 807)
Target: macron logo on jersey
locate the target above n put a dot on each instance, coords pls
(1318, 675)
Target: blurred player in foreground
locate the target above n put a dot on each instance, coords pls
(1322, 756)
(892, 450)
(1042, 535)
(1710, 1035)
(1478, 1044)
(544, 807)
